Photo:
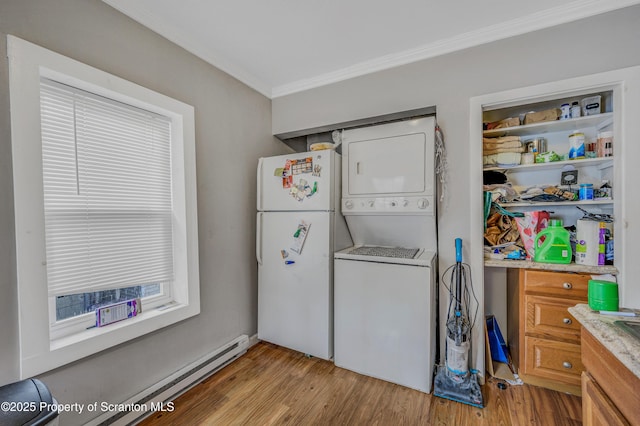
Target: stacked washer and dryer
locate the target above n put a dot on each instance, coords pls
(385, 285)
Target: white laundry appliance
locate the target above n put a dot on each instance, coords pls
(298, 229)
(385, 285)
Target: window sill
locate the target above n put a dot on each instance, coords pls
(89, 342)
(95, 332)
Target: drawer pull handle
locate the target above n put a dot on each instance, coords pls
(567, 321)
(567, 364)
(568, 286)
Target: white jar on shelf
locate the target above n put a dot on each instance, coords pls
(575, 109)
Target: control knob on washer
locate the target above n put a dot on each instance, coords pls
(371, 203)
(423, 203)
(348, 204)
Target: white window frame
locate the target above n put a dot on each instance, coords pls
(41, 351)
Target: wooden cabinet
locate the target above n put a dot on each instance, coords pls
(544, 338)
(609, 388)
(597, 407)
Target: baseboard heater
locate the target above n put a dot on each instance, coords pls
(175, 385)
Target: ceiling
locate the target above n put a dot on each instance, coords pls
(279, 47)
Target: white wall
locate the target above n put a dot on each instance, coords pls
(233, 129)
(602, 43)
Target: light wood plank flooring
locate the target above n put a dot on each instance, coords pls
(271, 385)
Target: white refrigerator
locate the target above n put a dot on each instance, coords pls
(299, 227)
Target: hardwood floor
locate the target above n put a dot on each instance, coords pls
(271, 385)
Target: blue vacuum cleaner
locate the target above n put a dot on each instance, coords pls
(454, 380)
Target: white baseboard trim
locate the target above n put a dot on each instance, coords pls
(160, 395)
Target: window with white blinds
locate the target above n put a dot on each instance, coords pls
(107, 192)
(104, 193)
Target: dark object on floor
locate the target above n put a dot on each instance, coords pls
(34, 404)
(502, 386)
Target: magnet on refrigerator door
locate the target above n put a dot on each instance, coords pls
(297, 192)
(304, 165)
(287, 177)
(302, 189)
(299, 237)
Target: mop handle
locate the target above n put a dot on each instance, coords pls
(458, 250)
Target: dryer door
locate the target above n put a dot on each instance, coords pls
(387, 166)
(393, 159)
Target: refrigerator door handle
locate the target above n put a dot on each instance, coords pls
(259, 238)
(259, 187)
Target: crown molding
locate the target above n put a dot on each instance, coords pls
(572, 11)
(544, 19)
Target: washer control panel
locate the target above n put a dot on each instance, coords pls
(383, 205)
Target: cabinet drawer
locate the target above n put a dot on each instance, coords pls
(559, 361)
(563, 284)
(548, 317)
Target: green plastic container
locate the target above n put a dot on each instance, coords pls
(556, 247)
(603, 295)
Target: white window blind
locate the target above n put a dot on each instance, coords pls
(107, 192)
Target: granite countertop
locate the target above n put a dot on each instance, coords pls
(622, 345)
(571, 267)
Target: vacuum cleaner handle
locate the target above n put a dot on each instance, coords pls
(458, 250)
